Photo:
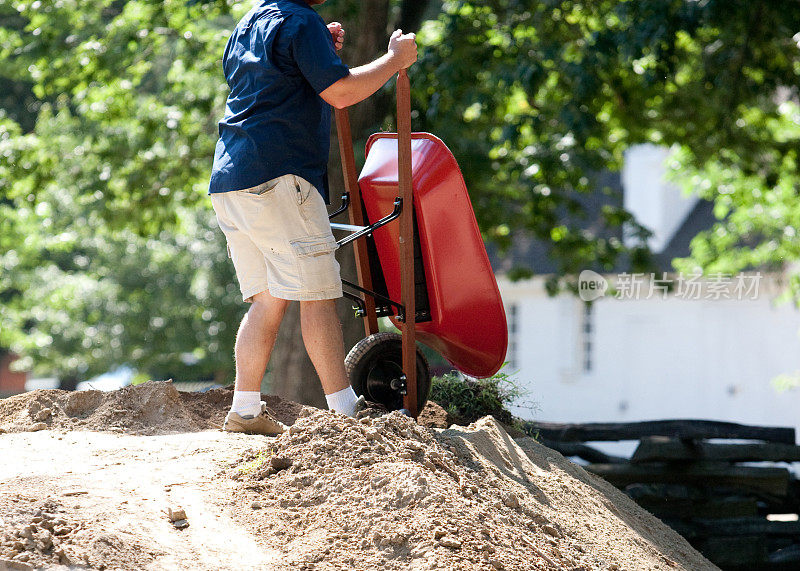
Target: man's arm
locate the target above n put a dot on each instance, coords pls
(365, 80)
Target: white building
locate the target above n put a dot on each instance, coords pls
(708, 350)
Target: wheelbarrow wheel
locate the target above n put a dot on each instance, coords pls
(375, 365)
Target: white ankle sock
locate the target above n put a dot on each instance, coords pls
(246, 403)
(343, 401)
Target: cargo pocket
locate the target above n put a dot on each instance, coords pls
(319, 270)
(314, 246)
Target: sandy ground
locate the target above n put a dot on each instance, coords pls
(333, 493)
(113, 489)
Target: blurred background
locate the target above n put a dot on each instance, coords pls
(647, 146)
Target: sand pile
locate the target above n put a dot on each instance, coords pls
(49, 538)
(387, 493)
(41, 536)
(149, 408)
(332, 493)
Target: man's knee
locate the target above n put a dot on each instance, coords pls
(318, 305)
(263, 302)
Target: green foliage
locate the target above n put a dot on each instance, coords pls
(109, 250)
(755, 200)
(78, 300)
(531, 136)
(130, 92)
(469, 399)
(256, 461)
(548, 94)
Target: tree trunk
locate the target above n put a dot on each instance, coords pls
(291, 374)
(68, 383)
(412, 13)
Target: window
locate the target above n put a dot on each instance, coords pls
(587, 338)
(513, 315)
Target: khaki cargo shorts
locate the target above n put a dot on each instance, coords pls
(280, 240)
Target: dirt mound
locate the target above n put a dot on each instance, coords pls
(434, 416)
(154, 407)
(387, 493)
(47, 537)
(333, 492)
(150, 408)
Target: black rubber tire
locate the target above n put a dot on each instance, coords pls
(377, 358)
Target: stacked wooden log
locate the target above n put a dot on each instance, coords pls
(727, 488)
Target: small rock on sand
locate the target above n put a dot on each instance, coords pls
(279, 463)
(551, 530)
(510, 499)
(451, 542)
(176, 514)
(14, 565)
(44, 414)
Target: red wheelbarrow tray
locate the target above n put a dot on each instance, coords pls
(468, 322)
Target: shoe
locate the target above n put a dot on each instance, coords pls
(264, 423)
(368, 409)
(358, 406)
(361, 404)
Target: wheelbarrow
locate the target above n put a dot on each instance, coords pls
(429, 273)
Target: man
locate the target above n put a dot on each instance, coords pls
(269, 189)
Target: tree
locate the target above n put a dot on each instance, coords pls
(562, 88)
(79, 298)
(111, 259)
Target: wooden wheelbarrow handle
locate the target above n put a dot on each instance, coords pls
(356, 214)
(407, 278)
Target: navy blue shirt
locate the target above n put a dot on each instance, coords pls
(277, 61)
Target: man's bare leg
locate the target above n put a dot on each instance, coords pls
(322, 334)
(254, 343)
